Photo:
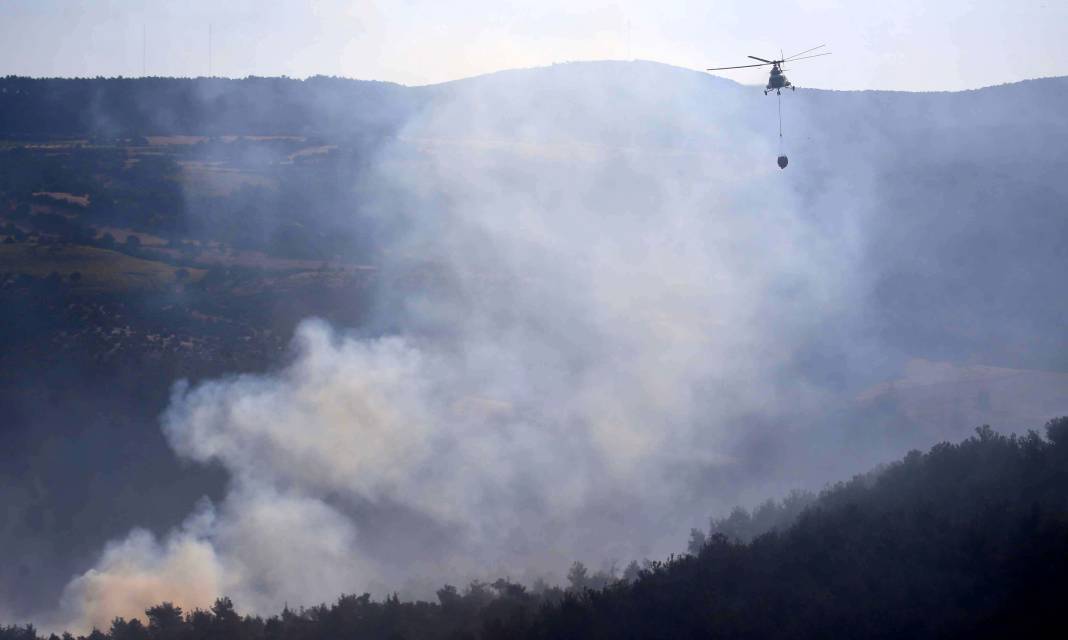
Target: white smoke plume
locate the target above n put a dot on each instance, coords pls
(593, 293)
(140, 571)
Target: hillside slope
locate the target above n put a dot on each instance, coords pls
(619, 231)
(966, 540)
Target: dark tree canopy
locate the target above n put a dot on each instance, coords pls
(967, 540)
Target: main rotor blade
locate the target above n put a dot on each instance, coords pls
(813, 56)
(744, 66)
(806, 51)
(761, 59)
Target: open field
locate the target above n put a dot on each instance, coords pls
(218, 180)
(69, 198)
(99, 269)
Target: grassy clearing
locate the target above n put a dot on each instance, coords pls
(100, 269)
(63, 196)
(216, 180)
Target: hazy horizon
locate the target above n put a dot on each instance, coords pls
(911, 46)
(756, 85)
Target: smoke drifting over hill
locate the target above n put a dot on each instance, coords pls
(578, 319)
(602, 314)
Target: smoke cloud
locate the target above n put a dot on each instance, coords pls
(602, 314)
(140, 571)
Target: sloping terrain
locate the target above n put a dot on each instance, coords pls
(627, 216)
(967, 539)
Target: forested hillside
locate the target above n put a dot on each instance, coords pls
(966, 540)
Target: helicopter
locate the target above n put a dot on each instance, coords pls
(777, 80)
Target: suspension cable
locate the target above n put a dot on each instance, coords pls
(780, 122)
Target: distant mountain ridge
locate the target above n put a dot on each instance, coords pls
(198, 106)
(321, 104)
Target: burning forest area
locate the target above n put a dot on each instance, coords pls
(536, 350)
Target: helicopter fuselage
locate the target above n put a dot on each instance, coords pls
(777, 80)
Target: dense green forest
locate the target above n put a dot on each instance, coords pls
(966, 540)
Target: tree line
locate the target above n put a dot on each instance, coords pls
(968, 539)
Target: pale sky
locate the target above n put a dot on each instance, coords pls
(899, 44)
